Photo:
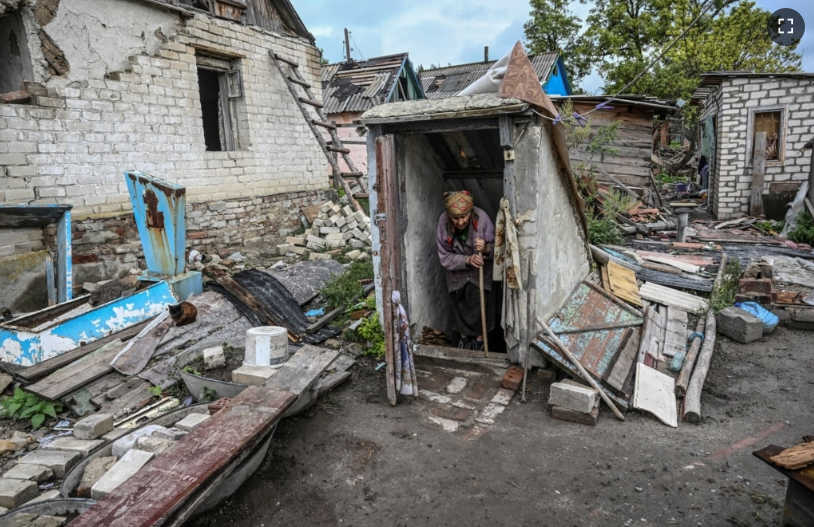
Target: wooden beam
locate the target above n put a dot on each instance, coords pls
(289, 62)
(311, 102)
(758, 173)
(295, 80)
(323, 124)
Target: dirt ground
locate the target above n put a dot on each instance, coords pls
(354, 460)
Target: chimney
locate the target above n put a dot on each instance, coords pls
(485, 53)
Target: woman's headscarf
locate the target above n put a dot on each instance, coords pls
(458, 203)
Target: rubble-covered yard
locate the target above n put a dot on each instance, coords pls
(354, 460)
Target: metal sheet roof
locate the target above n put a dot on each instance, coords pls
(359, 86)
(449, 80)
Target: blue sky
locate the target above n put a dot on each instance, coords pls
(455, 31)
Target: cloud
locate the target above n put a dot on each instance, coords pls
(321, 31)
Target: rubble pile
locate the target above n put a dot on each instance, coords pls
(336, 229)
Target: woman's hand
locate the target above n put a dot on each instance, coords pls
(475, 260)
(480, 244)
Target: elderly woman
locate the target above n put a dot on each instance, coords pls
(464, 239)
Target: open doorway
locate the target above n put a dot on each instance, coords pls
(431, 164)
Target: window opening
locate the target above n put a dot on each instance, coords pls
(770, 123)
(15, 62)
(220, 87)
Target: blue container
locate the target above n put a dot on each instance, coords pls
(768, 318)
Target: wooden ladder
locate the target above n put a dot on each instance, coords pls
(312, 112)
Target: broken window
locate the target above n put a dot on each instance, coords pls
(771, 123)
(221, 94)
(15, 62)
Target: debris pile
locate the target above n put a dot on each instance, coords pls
(336, 229)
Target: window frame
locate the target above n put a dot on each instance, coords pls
(781, 139)
(230, 92)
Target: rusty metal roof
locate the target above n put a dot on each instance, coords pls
(359, 86)
(439, 83)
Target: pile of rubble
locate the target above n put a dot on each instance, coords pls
(336, 229)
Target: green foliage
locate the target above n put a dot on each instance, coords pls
(601, 229)
(156, 391)
(208, 395)
(664, 177)
(724, 295)
(191, 370)
(370, 331)
(24, 405)
(344, 288)
(804, 231)
(771, 227)
(622, 37)
(616, 202)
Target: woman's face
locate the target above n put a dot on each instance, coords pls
(461, 221)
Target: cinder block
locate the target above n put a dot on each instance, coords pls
(739, 325)
(256, 375)
(191, 421)
(94, 470)
(33, 472)
(173, 433)
(154, 444)
(14, 492)
(93, 426)
(573, 396)
(123, 444)
(59, 461)
(214, 358)
(120, 472)
(83, 446)
(566, 414)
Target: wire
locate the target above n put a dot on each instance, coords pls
(356, 46)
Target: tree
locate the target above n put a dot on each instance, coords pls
(553, 27)
(623, 36)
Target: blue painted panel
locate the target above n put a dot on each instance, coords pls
(159, 208)
(27, 348)
(557, 83)
(64, 258)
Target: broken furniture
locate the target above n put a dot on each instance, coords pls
(798, 509)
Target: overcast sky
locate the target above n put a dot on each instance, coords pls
(454, 31)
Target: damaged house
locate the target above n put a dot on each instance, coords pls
(352, 87)
(183, 90)
(735, 106)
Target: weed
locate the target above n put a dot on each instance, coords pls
(804, 231)
(24, 405)
(601, 229)
(665, 177)
(616, 202)
(191, 370)
(370, 331)
(208, 395)
(156, 391)
(770, 227)
(344, 288)
(724, 295)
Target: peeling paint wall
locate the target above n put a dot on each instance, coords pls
(98, 37)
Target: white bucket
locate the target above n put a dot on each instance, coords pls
(266, 346)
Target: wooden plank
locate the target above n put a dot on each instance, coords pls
(795, 457)
(758, 173)
(673, 297)
(675, 334)
(623, 283)
(139, 350)
(302, 369)
(624, 361)
(289, 62)
(295, 80)
(310, 102)
(161, 488)
(78, 373)
(667, 260)
(323, 124)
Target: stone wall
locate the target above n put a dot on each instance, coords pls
(739, 98)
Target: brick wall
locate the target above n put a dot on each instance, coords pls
(75, 142)
(739, 97)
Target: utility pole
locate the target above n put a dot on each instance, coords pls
(347, 46)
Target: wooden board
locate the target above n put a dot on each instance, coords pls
(161, 488)
(796, 457)
(77, 374)
(624, 361)
(623, 283)
(686, 258)
(675, 333)
(302, 369)
(673, 297)
(139, 350)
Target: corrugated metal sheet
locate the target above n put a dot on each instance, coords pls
(449, 80)
(359, 86)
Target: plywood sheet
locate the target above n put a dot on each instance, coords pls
(623, 283)
(673, 297)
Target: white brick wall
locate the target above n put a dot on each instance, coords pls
(732, 177)
(74, 144)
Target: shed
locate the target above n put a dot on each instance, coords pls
(495, 147)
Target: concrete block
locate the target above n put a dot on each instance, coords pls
(120, 472)
(353, 254)
(45, 496)
(214, 358)
(566, 414)
(328, 230)
(357, 244)
(33, 472)
(299, 251)
(123, 444)
(93, 426)
(191, 421)
(59, 461)
(255, 375)
(173, 433)
(154, 444)
(15, 492)
(295, 240)
(94, 470)
(319, 256)
(573, 396)
(83, 446)
(326, 207)
(739, 325)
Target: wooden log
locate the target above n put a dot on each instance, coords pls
(689, 360)
(585, 375)
(758, 172)
(692, 398)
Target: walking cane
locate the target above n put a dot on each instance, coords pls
(483, 311)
